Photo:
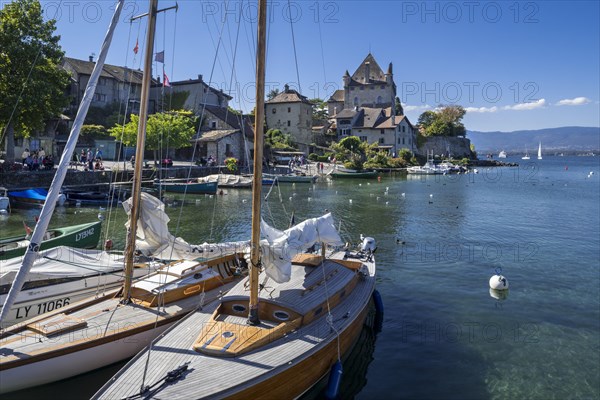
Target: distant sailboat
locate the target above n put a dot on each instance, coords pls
(502, 154)
(526, 156)
(540, 151)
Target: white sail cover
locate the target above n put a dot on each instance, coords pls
(63, 262)
(280, 248)
(154, 239)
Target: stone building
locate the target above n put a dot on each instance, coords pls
(291, 113)
(195, 93)
(366, 108)
(224, 134)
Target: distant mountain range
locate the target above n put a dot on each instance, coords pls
(564, 139)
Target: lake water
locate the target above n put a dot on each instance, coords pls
(440, 239)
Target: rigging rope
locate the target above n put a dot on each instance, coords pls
(294, 46)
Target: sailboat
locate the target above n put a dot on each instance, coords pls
(526, 156)
(96, 332)
(539, 156)
(273, 339)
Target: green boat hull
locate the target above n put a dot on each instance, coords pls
(350, 175)
(85, 236)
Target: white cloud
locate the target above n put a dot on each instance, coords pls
(577, 101)
(527, 106)
(417, 108)
(481, 109)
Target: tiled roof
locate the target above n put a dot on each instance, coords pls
(376, 74)
(211, 136)
(289, 96)
(347, 113)
(232, 119)
(338, 95)
(120, 74)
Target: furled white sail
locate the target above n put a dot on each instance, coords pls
(279, 248)
(154, 239)
(54, 191)
(63, 262)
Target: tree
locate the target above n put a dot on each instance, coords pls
(278, 140)
(444, 122)
(272, 94)
(320, 110)
(31, 82)
(172, 129)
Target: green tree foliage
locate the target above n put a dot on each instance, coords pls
(169, 130)
(31, 81)
(90, 132)
(272, 94)
(320, 110)
(278, 140)
(446, 121)
(352, 151)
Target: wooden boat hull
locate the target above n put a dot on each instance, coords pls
(90, 334)
(287, 367)
(78, 362)
(84, 236)
(189, 188)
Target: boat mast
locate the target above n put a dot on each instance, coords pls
(139, 151)
(63, 166)
(258, 157)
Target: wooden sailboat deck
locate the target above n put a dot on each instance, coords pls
(217, 377)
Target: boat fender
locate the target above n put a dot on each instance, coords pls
(60, 200)
(378, 301)
(498, 282)
(335, 378)
(108, 245)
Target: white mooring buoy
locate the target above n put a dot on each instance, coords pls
(498, 282)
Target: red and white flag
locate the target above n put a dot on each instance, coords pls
(166, 80)
(136, 48)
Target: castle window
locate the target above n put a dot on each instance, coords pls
(382, 131)
(363, 138)
(289, 109)
(356, 101)
(289, 123)
(379, 99)
(403, 128)
(381, 141)
(213, 124)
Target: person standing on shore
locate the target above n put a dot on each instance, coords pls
(24, 155)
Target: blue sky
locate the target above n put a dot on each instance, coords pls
(513, 65)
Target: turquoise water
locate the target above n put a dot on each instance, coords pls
(440, 240)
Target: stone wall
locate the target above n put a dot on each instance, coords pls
(458, 147)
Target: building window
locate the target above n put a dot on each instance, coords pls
(399, 141)
(274, 110)
(403, 128)
(381, 141)
(213, 124)
(363, 138)
(382, 131)
(356, 101)
(289, 123)
(289, 109)
(228, 152)
(102, 81)
(100, 97)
